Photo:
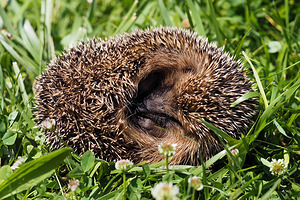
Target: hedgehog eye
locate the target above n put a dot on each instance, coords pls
(187, 69)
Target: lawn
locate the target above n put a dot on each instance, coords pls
(264, 35)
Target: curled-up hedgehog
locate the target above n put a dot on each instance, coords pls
(124, 96)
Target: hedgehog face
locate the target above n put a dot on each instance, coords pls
(149, 109)
(164, 108)
(152, 105)
(123, 97)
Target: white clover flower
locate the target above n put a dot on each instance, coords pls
(165, 191)
(278, 167)
(48, 124)
(196, 183)
(235, 152)
(17, 163)
(123, 164)
(167, 149)
(90, 1)
(73, 185)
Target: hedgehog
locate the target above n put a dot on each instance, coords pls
(123, 96)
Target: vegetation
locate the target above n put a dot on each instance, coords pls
(265, 35)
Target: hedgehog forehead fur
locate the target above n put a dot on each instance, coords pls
(124, 96)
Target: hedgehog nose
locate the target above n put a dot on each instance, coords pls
(155, 103)
(141, 107)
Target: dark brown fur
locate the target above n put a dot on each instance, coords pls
(123, 97)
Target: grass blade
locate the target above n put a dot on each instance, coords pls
(32, 39)
(274, 106)
(7, 22)
(24, 60)
(164, 13)
(259, 84)
(268, 194)
(128, 20)
(46, 16)
(218, 131)
(239, 47)
(244, 98)
(214, 22)
(279, 128)
(1, 90)
(32, 173)
(197, 19)
(21, 84)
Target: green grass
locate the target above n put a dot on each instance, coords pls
(264, 35)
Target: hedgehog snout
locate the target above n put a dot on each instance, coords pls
(148, 108)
